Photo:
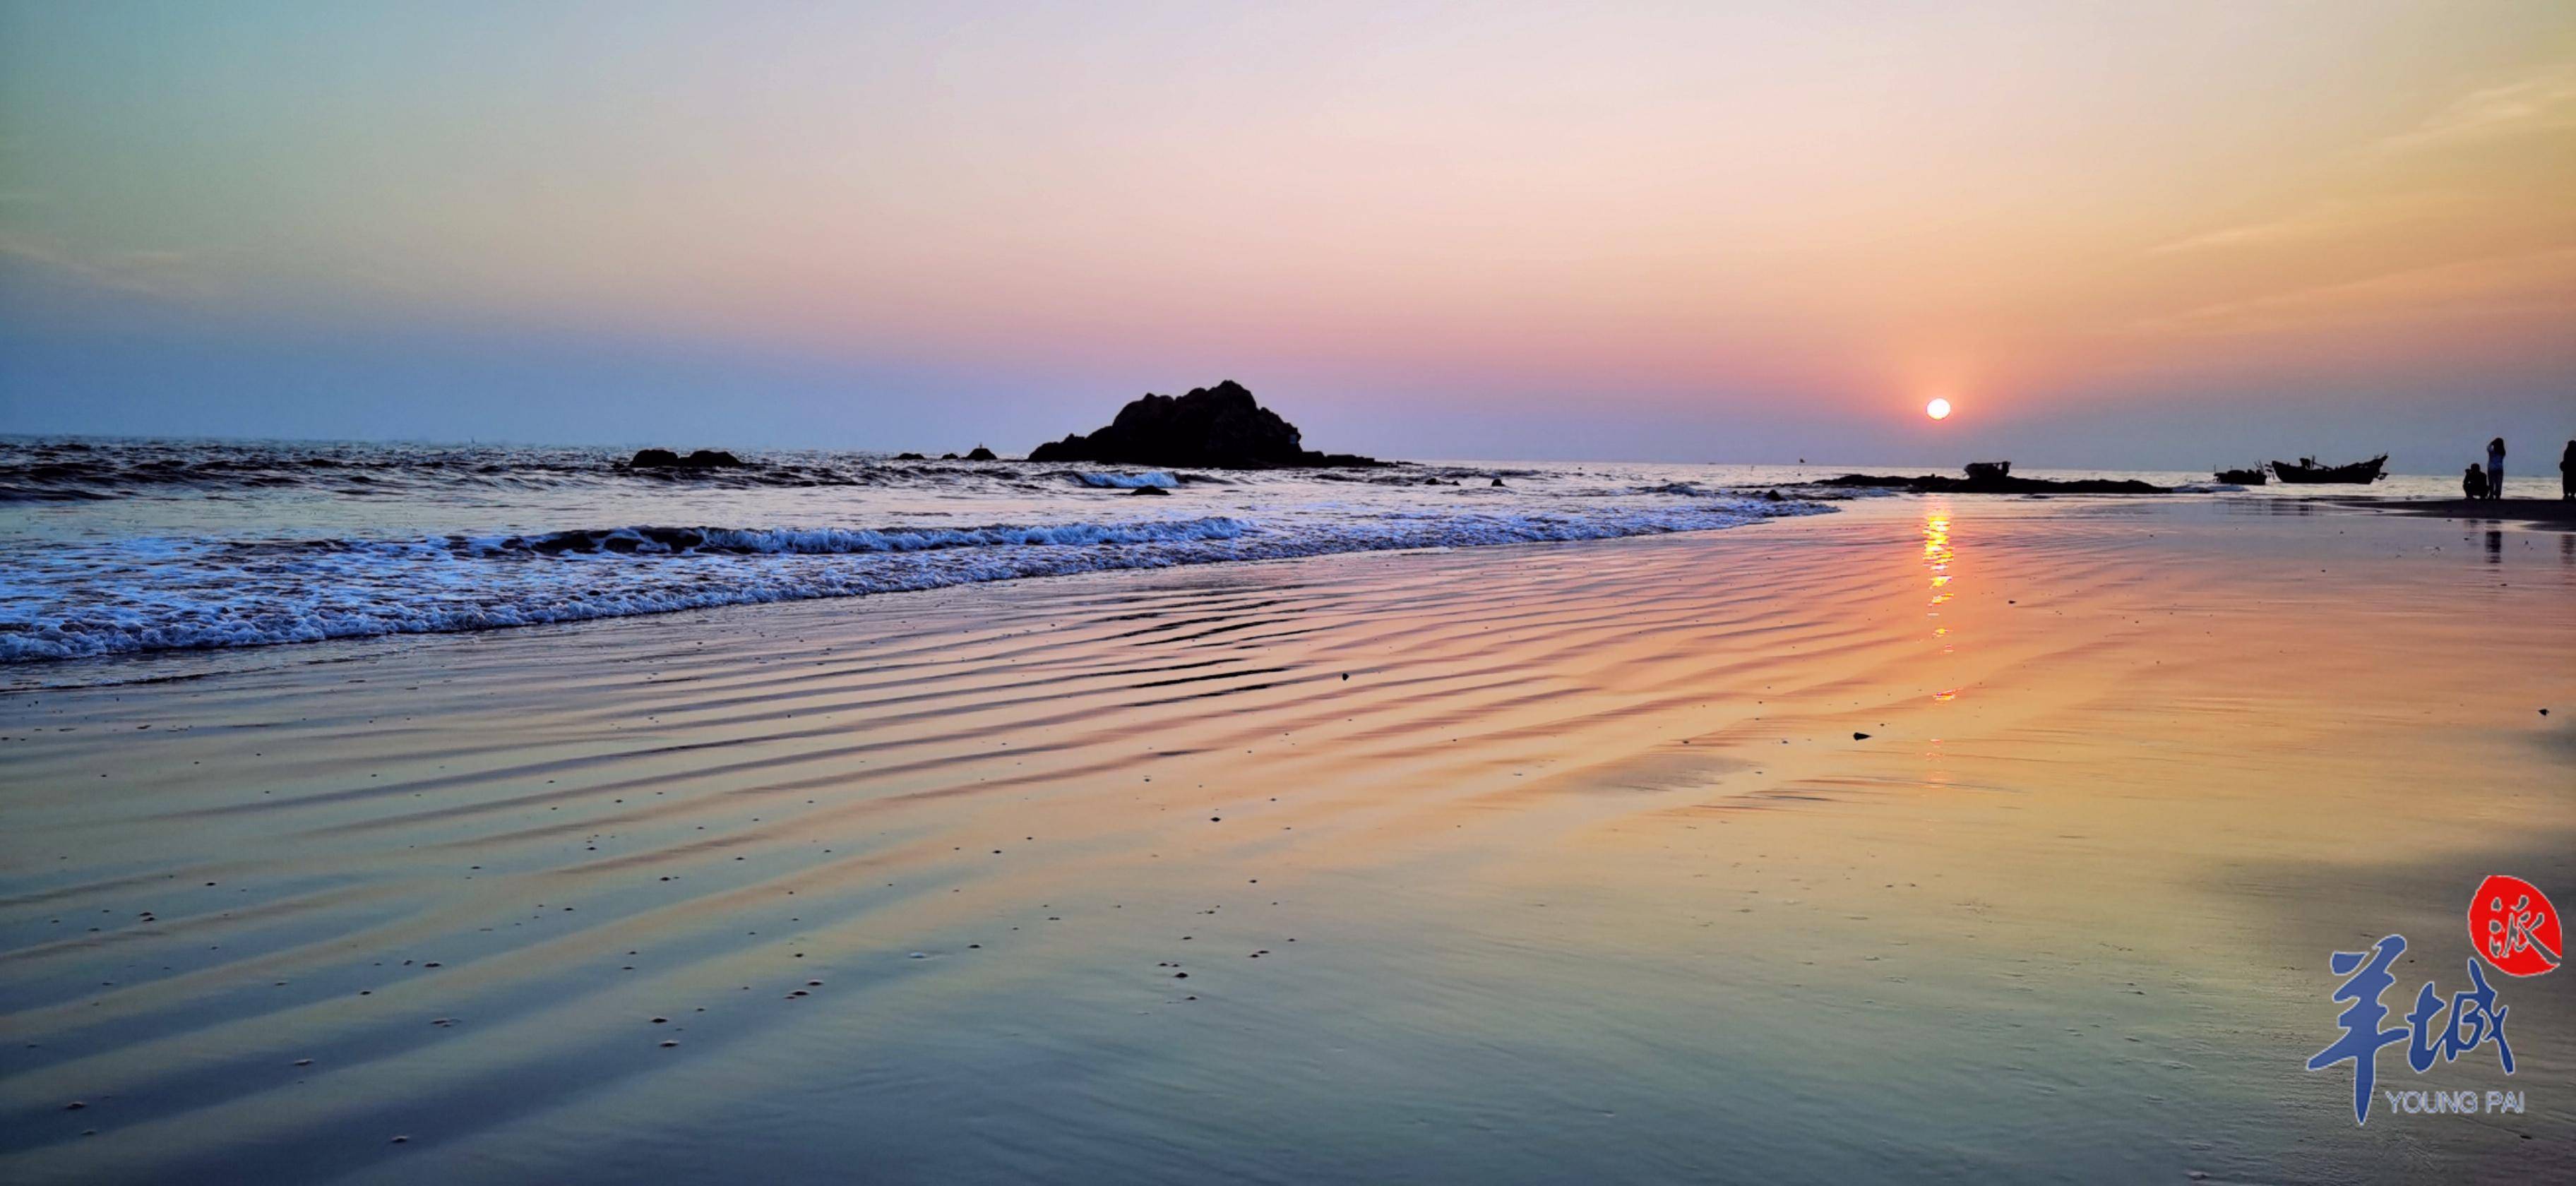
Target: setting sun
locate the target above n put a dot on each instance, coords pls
(1938, 409)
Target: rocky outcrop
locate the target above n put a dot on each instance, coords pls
(1218, 427)
(1986, 481)
(910, 457)
(701, 459)
(982, 454)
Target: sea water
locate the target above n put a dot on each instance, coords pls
(120, 547)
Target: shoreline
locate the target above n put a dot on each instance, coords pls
(44, 672)
(2552, 513)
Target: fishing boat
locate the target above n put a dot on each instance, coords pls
(2243, 477)
(2307, 470)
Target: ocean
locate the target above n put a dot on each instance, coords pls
(126, 547)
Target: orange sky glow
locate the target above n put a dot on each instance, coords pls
(1007, 216)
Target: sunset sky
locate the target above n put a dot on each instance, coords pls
(2161, 235)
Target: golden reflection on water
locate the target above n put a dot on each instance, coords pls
(1937, 556)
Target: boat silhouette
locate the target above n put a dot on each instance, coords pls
(2307, 470)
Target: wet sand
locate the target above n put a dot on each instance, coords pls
(2554, 512)
(1520, 864)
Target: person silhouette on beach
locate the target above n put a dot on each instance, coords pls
(2567, 473)
(2495, 468)
(2474, 482)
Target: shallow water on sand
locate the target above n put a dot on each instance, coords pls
(1494, 864)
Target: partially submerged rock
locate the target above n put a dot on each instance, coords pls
(982, 454)
(700, 459)
(1218, 427)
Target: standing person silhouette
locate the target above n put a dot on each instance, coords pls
(2495, 468)
(2567, 473)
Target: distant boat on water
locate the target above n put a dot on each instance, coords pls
(2244, 477)
(2359, 473)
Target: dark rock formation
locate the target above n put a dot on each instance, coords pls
(666, 459)
(1985, 481)
(910, 457)
(1218, 427)
(948, 457)
(1150, 491)
(982, 454)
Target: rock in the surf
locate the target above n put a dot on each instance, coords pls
(699, 459)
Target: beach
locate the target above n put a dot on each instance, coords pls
(2556, 512)
(1295, 595)
(1945, 838)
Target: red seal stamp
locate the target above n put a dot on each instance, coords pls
(2514, 927)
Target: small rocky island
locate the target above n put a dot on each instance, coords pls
(1218, 427)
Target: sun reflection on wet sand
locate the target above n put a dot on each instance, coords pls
(1938, 553)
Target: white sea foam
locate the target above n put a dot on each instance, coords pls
(115, 547)
(159, 593)
(1110, 481)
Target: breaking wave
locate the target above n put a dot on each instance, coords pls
(1156, 478)
(128, 596)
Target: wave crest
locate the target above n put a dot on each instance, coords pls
(142, 595)
(1107, 481)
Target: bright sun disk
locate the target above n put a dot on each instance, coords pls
(1938, 409)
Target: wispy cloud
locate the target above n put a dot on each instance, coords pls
(166, 274)
(2542, 101)
(2330, 220)
(2494, 286)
